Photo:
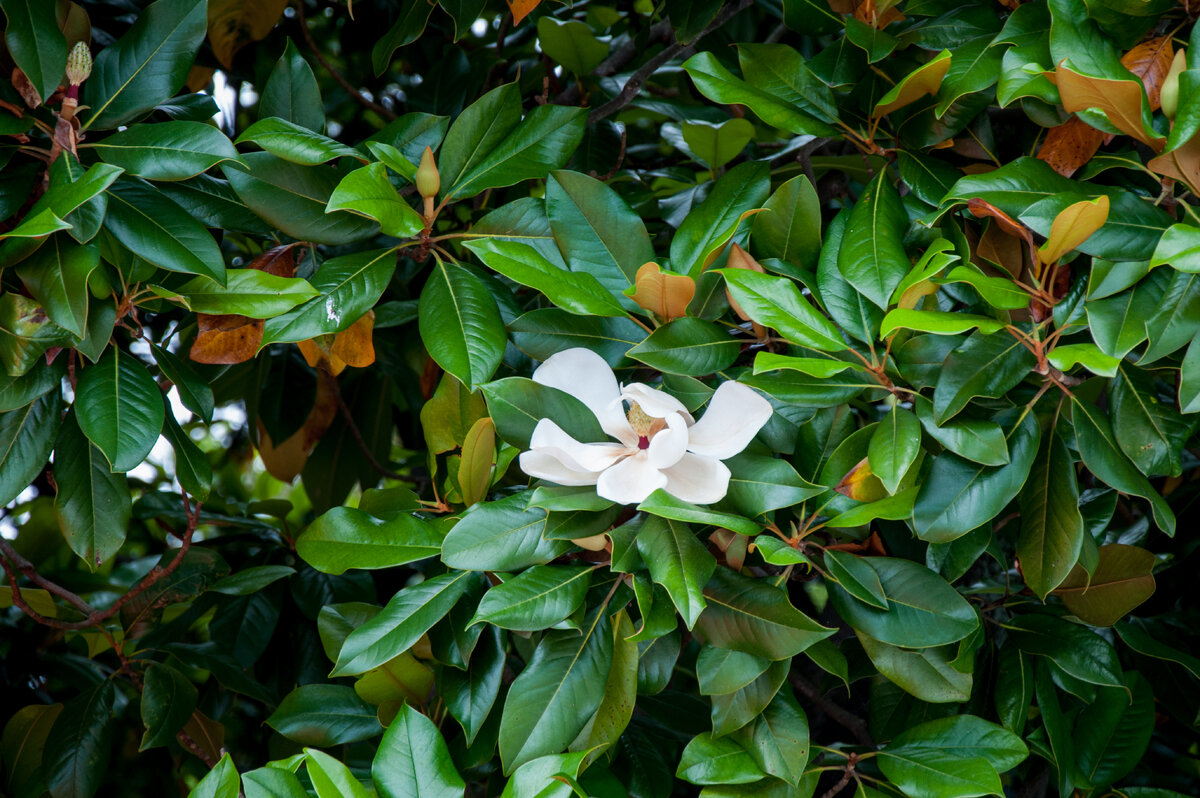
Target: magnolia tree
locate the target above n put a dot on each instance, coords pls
(688, 397)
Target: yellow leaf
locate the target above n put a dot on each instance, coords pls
(1120, 100)
(478, 455)
(225, 339)
(861, 484)
(665, 295)
(926, 79)
(1074, 225)
(1181, 163)
(354, 345)
(521, 8)
(232, 24)
(401, 678)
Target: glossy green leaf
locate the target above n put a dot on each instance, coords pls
(35, 43)
(776, 302)
(1051, 524)
(460, 324)
(678, 562)
(413, 760)
(572, 44)
(77, 752)
(1113, 732)
(324, 715)
(894, 447)
(535, 599)
(156, 229)
(26, 437)
(168, 699)
(291, 92)
(664, 505)
(578, 293)
(687, 346)
(708, 759)
(857, 577)
(294, 142)
(500, 536)
(368, 192)
(516, 404)
(1074, 648)
(167, 150)
(936, 322)
(345, 538)
(331, 778)
(120, 409)
(749, 615)
(985, 365)
(925, 673)
(872, 257)
(712, 223)
(717, 83)
(247, 292)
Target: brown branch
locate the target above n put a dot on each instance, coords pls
(333, 73)
(92, 616)
(674, 50)
(847, 773)
(856, 725)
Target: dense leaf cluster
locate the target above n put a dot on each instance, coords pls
(286, 290)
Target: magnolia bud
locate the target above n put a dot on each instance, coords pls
(428, 179)
(79, 64)
(1169, 97)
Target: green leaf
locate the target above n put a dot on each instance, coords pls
(551, 701)
(167, 150)
(25, 735)
(16, 392)
(572, 44)
(959, 495)
(413, 761)
(1118, 323)
(272, 782)
(776, 302)
(1113, 732)
(1179, 247)
(999, 292)
(247, 292)
(368, 192)
(195, 394)
(1051, 524)
(77, 753)
(168, 700)
(714, 221)
(761, 484)
(937, 322)
(857, 577)
(720, 671)
(536, 599)
(153, 227)
(984, 365)
(293, 198)
(192, 468)
(789, 228)
(1074, 648)
(977, 440)
(708, 759)
(92, 503)
(1149, 430)
(1097, 447)
(779, 740)
(292, 93)
(1120, 582)
(578, 293)
(26, 437)
(925, 673)
(460, 324)
(732, 711)
(501, 535)
(872, 257)
(965, 736)
(345, 538)
(57, 276)
(923, 609)
(688, 346)
(324, 715)
(749, 615)
(347, 287)
(715, 145)
(545, 776)
(146, 65)
(718, 84)
(331, 778)
(251, 580)
(664, 505)
(35, 43)
(408, 615)
(220, 782)
(678, 562)
(546, 331)
(894, 447)
(1066, 356)
(295, 143)
(120, 409)
(1177, 320)
(407, 28)
(516, 404)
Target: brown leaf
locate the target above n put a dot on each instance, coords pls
(982, 208)
(232, 24)
(521, 8)
(665, 295)
(287, 459)
(353, 345)
(740, 259)
(1123, 579)
(998, 247)
(878, 13)
(199, 77)
(207, 734)
(25, 88)
(1151, 61)
(1120, 100)
(1070, 145)
(279, 261)
(1182, 163)
(66, 134)
(226, 339)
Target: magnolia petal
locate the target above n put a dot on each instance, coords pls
(543, 465)
(669, 444)
(586, 376)
(548, 436)
(654, 402)
(697, 479)
(734, 416)
(630, 481)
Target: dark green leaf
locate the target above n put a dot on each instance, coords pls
(167, 702)
(413, 760)
(346, 538)
(687, 346)
(749, 615)
(461, 324)
(120, 409)
(292, 93)
(500, 536)
(324, 715)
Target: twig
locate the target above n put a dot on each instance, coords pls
(847, 773)
(856, 725)
(619, 59)
(674, 50)
(345, 84)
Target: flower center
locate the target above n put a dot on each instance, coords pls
(642, 424)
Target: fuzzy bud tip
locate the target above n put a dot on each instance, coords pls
(429, 181)
(79, 64)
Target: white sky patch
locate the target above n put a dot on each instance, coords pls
(223, 95)
(479, 27)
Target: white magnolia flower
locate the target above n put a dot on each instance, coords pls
(661, 445)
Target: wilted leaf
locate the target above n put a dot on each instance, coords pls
(225, 339)
(1120, 100)
(1150, 61)
(1070, 145)
(232, 24)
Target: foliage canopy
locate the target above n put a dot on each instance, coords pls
(764, 397)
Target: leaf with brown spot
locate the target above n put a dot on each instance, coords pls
(287, 460)
(232, 24)
(1123, 580)
(225, 340)
(665, 295)
(1181, 163)
(25, 88)
(521, 8)
(1120, 100)
(1151, 61)
(1074, 224)
(1070, 145)
(741, 259)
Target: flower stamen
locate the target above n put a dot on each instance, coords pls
(642, 424)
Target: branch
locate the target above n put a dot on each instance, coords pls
(345, 84)
(856, 725)
(674, 50)
(92, 616)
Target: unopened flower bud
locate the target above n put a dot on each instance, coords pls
(1169, 96)
(429, 182)
(79, 64)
